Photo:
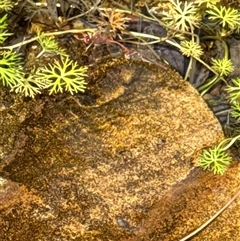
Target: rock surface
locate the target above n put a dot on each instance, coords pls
(104, 165)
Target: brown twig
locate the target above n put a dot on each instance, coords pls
(212, 218)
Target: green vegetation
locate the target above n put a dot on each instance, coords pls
(64, 74)
(3, 29)
(49, 44)
(217, 159)
(182, 21)
(10, 71)
(6, 5)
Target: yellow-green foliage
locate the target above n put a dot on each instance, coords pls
(63, 75)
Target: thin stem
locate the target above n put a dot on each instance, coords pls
(212, 218)
(188, 68)
(49, 34)
(231, 142)
(191, 64)
(204, 88)
(85, 13)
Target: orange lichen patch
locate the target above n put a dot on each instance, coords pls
(12, 195)
(9, 193)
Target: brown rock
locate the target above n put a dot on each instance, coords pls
(104, 165)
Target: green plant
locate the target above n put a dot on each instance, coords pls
(227, 17)
(234, 90)
(222, 66)
(186, 17)
(48, 44)
(10, 68)
(207, 3)
(183, 16)
(29, 86)
(191, 48)
(235, 110)
(11, 72)
(6, 5)
(63, 75)
(217, 159)
(3, 29)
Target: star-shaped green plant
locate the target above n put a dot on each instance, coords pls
(63, 75)
(217, 159)
(222, 66)
(191, 48)
(227, 17)
(183, 15)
